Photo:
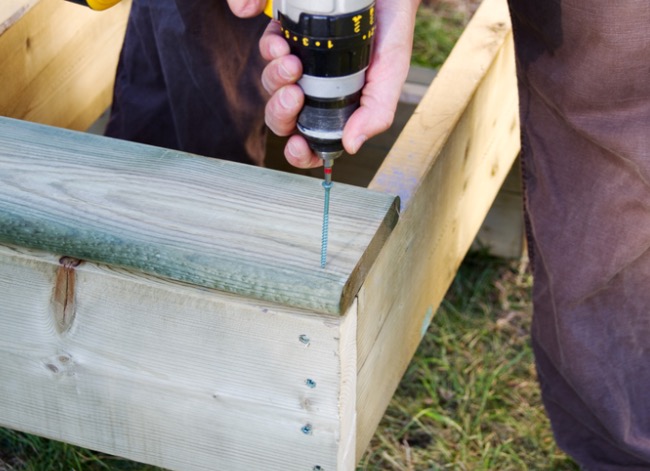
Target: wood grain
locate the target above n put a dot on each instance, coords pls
(447, 165)
(171, 374)
(13, 10)
(58, 60)
(240, 229)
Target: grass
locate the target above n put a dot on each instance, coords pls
(438, 26)
(469, 399)
(24, 452)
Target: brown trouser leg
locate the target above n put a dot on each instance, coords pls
(189, 79)
(584, 78)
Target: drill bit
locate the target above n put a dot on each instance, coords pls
(328, 163)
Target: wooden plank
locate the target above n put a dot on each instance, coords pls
(447, 166)
(13, 10)
(170, 374)
(241, 229)
(502, 233)
(57, 63)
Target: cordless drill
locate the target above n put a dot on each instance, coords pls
(333, 40)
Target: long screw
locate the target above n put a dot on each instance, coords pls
(327, 185)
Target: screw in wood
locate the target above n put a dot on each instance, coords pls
(310, 383)
(304, 339)
(306, 429)
(328, 163)
(326, 222)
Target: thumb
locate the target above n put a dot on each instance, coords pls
(371, 118)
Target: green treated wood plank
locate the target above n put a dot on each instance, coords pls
(245, 230)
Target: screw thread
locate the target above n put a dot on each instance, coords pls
(326, 219)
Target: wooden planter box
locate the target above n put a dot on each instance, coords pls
(171, 309)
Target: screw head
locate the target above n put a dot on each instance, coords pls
(306, 429)
(304, 339)
(310, 383)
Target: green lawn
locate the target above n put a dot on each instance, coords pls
(437, 28)
(470, 400)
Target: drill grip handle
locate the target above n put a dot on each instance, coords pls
(268, 9)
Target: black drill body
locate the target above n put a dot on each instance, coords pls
(335, 51)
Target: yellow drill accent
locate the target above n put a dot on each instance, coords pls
(268, 9)
(101, 4)
(105, 4)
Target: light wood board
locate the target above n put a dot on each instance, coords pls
(240, 229)
(58, 60)
(13, 10)
(169, 374)
(447, 165)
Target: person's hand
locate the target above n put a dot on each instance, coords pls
(384, 79)
(247, 8)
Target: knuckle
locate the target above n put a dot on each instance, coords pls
(277, 120)
(266, 82)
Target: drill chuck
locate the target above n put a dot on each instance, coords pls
(322, 120)
(334, 46)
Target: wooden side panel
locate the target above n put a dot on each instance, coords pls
(347, 440)
(447, 166)
(58, 61)
(176, 376)
(13, 10)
